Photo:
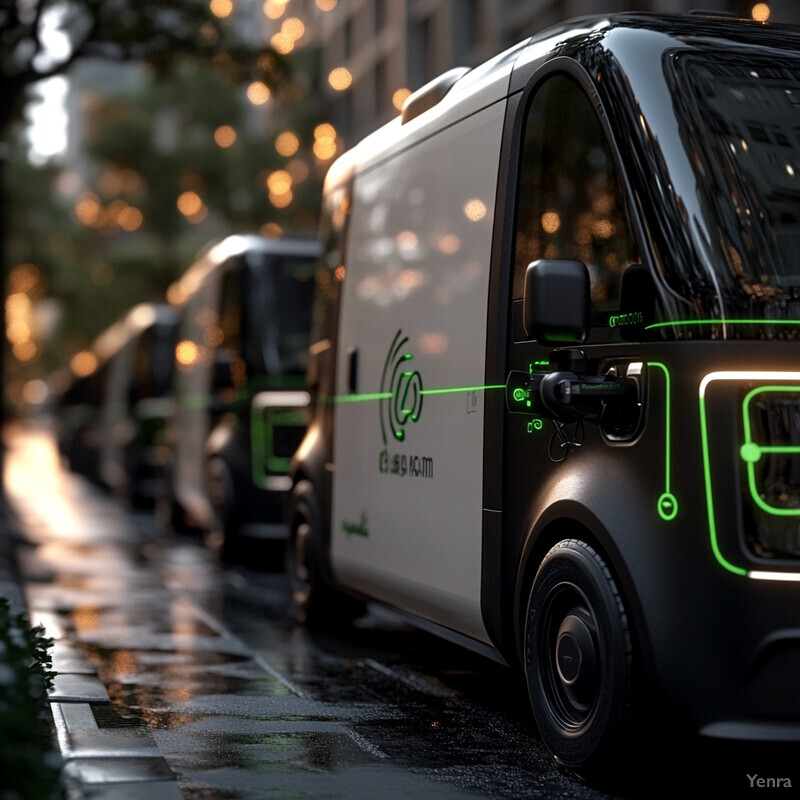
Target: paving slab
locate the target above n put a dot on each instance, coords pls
(78, 689)
(73, 716)
(148, 790)
(111, 743)
(67, 658)
(117, 770)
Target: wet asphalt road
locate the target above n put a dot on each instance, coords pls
(183, 677)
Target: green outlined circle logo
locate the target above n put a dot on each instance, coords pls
(668, 506)
(401, 390)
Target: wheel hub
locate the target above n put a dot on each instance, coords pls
(576, 658)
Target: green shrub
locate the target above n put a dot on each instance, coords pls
(28, 763)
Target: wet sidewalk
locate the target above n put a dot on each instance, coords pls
(155, 697)
(56, 521)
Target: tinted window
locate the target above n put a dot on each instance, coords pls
(570, 204)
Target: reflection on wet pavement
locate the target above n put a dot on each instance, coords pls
(202, 671)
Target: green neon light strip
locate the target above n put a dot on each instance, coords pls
(668, 409)
(368, 397)
(360, 398)
(712, 526)
(683, 322)
(750, 448)
(264, 460)
(463, 389)
(667, 503)
(738, 375)
(776, 449)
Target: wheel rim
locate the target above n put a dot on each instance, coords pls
(569, 659)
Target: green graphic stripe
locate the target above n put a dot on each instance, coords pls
(360, 398)
(681, 323)
(667, 422)
(463, 389)
(368, 397)
(712, 525)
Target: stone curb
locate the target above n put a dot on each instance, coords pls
(97, 763)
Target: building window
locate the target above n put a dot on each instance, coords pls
(381, 99)
(380, 15)
(420, 62)
(348, 38)
(466, 20)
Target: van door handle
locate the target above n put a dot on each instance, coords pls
(352, 370)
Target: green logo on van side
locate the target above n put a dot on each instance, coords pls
(359, 528)
(401, 391)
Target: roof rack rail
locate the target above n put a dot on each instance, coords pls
(702, 12)
(430, 94)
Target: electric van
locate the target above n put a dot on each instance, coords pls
(556, 376)
(77, 405)
(239, 385)
(137, 403)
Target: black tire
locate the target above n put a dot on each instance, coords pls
(314, 601)
(170, 516)
(578, 659)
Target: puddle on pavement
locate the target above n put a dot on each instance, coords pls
(274, 753)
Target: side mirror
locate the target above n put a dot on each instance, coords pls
(557, 302)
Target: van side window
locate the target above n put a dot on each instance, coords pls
(230, 323)
(570, 204)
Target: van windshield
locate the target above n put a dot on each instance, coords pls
(280, 303)
(738, 114)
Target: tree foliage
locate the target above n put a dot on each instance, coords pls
(153, 32)
(28, 764)
(146, 143)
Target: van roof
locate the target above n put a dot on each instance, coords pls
(216, 253)
(460, 93)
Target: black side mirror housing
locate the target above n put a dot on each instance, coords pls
(557, 302)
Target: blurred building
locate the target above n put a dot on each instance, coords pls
(372, 53)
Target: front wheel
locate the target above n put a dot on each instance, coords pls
(314, 601)
(578, 657)
(226, 524)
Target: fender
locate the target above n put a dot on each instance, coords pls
(562, 517)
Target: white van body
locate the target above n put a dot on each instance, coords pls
(419, 246)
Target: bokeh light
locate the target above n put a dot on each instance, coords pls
(340, 79)
(224, 136)
(399, 97)
(186, 353)
(189, 203)
(474, 209)
(258, 93)
(283, 43)
(221, 8)
(287, 144)
(279, 182)
(273, 9)
(84, 363)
